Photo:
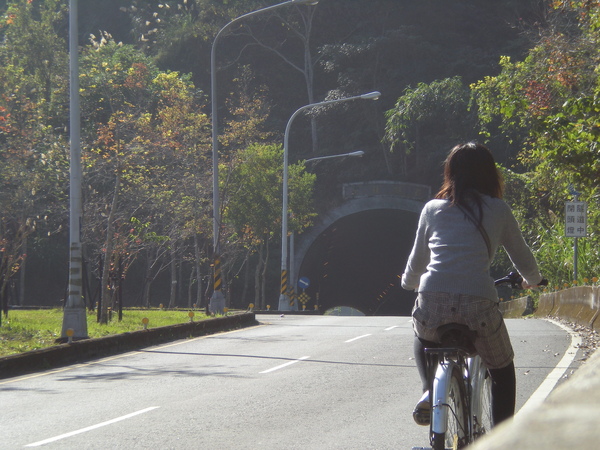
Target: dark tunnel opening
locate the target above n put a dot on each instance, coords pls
(356, 262)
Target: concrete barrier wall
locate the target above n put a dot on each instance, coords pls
(579, 304)
(546, 304)
(517, 308)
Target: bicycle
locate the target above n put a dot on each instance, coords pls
(461, 387)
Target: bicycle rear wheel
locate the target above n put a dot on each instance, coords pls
(458, 416)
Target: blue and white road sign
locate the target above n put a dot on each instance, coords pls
(303, 283)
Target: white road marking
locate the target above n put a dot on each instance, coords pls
(391, 328)
(93, 427)
(281, 366)
(357, 338)
(553, 377)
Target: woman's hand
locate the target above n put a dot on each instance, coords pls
(525, 285)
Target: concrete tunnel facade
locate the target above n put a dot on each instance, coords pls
(354, 255)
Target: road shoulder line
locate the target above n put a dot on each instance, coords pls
(556, 374)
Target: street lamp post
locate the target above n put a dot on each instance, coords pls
(75, 317)
(217, 301)
(284, 301)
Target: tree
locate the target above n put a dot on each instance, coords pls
(32, 43)
(31, 163)
(429, 119)
(254, 203)
(150, 134)
(249, 112)
(33, 158)
(547, 107)
(293, 46)
(175, 136)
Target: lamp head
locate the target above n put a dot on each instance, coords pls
(358, 153)
(371, 95)
(306, 2)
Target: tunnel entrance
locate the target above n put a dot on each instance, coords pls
(356, 262)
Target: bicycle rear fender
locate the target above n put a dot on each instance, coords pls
(477, 371)
(439, 394)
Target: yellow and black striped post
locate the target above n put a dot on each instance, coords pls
(284, 281)
(218, 282)
(284, 300)
(217, 301)
(292, 295)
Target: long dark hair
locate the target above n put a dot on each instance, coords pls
(469, 171)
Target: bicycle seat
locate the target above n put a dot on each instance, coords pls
(456, 335)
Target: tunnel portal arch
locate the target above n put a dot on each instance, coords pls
(354, 253)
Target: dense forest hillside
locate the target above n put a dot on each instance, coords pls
(521, 75)
(354, 46)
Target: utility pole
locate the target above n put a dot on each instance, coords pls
(74, 313)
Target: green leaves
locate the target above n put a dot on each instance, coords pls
(254, 193)
(428, 120)
(548, 107)
(421, 106)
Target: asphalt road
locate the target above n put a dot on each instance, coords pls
(297, 382)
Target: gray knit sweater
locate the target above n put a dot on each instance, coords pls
(450, 254)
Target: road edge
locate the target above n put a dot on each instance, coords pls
(89, 349)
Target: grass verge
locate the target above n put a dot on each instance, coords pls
(26, 330)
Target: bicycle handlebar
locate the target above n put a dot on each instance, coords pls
(515, 280)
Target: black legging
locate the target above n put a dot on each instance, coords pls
(504, 384)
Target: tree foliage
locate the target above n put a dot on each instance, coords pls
(32, 157)
(426, 120)
(254, 204)
(547, 106)
(145, 69)
(151, 134)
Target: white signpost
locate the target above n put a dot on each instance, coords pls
(575, 225)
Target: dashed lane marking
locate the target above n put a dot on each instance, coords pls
(281, 366)
(357, 338)
(93, 427)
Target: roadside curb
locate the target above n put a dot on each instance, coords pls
(89, 349)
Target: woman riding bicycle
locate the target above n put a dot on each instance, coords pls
(457, 237)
